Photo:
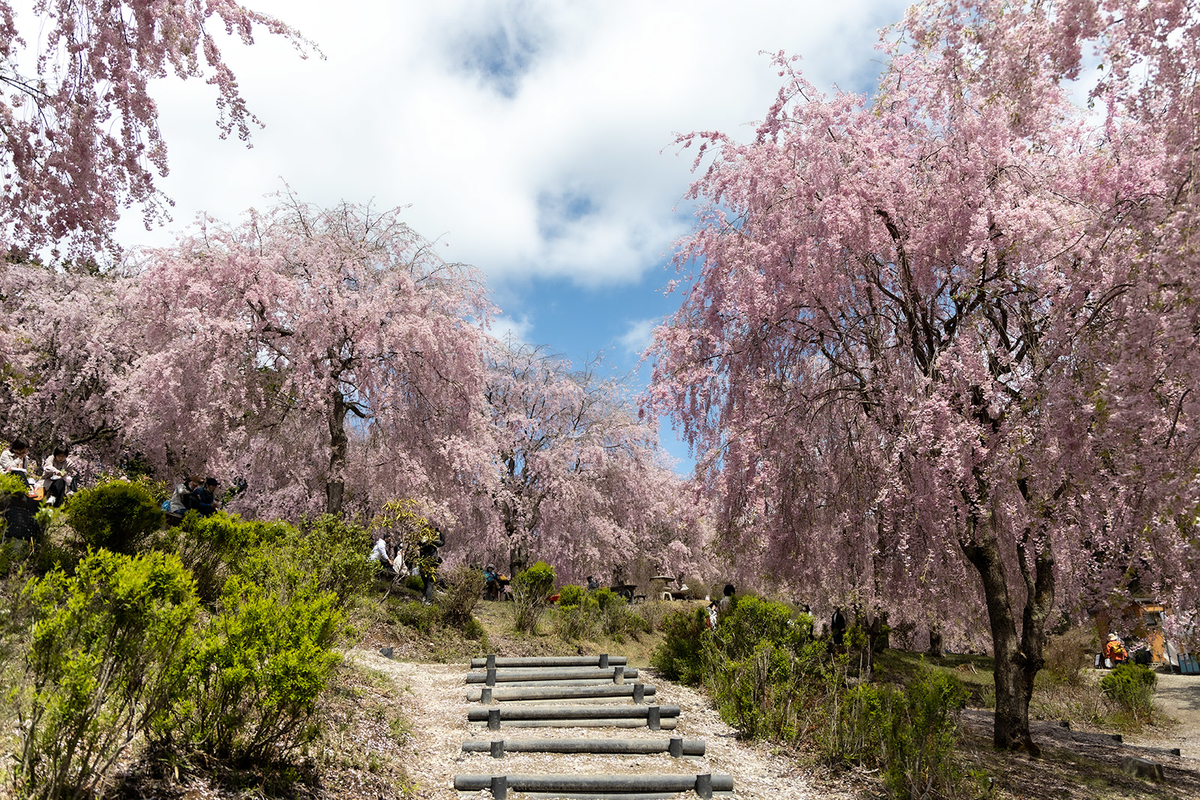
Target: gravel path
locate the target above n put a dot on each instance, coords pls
(1178, 696)
(436, 704)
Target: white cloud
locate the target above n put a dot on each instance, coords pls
(529, 134)
(511, 330)
(638, 337)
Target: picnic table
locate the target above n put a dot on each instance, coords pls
(625, 590)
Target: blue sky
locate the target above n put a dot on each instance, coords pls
(531, 138)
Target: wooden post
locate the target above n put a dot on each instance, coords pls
(498, 748)
(493, 719)
(653, 719)
(704, 787)
(500, 787)
(639, 693)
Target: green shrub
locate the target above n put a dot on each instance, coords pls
(1131, 687)
(571, 595)
(752, 620)
(681, 654)
(919, 734)
(1067, 654)
(257, 671)
(212, 547)
(607, 598)
(619, 621)
(531, 589)
(10, 485)
(416, 615)
(105, 662)
(910, 734)
(327, 551)
(772, 692)
(464, 588)
(579, 620)
(116, 516)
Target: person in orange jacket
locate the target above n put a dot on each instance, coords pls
(1114, 651)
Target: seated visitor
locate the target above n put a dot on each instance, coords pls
(206, 501)
(183, 498)
(387, 567)
(1114, 650)
(491, 582)
(59, 476)
(15, 459)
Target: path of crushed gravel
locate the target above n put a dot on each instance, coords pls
(437, 706)
(1178, 696)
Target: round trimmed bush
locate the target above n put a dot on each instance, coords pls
(115, 516)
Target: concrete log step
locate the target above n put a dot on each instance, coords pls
(506, 713)
(675, 746)
(614, 675)
(548, 661)
(570, 785)
(609, 692)
(664, 724)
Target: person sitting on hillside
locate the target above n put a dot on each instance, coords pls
(15, 459)
(58, 476)
(206, 501)
(1114, 650)
(384, 563)
(183, 498)
(491, 583)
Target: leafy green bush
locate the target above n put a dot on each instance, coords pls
(571, 595)
(464, 588)
(416, 615)
(257, 671)
(620, 621)
(104, 663)
(328, 552)
(918, 734)
(1067, 654)
(212, 547)
(10, 485)
(531, 589)
(752, 620)
(607, 598)
(577, 620)
(1131, 687)
(681, 656)
(767, 674)
(117, 516)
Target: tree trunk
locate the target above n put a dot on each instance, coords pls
(937, 648)
(1013, 670)
(335, 484)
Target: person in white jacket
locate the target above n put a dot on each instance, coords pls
(59, 476)
(15, 459)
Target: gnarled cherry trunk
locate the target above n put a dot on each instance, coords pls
(1017, 659)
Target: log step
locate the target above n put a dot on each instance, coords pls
(506, 713)
(675, 746)
(600, 661)
(574, 785)
(614, 675)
